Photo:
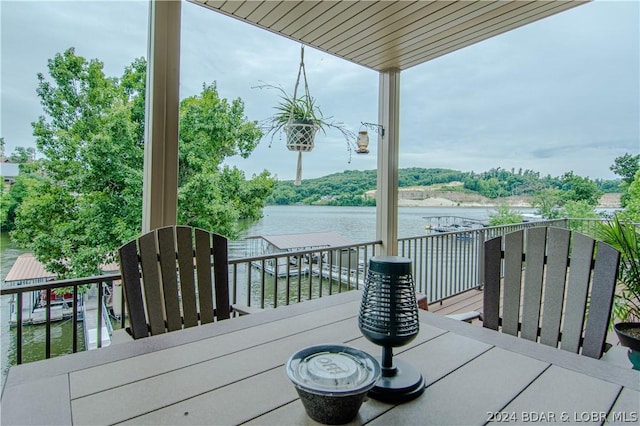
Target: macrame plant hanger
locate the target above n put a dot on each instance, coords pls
(300, 136)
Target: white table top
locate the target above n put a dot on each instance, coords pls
(232, 372)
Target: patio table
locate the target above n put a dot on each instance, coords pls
(232, 372)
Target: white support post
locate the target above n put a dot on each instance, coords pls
(160, 184)
(388, 159)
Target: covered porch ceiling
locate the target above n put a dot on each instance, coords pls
(389, 35)
(383, 35)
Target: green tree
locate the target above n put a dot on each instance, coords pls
(504, 215)
(11, 200)
(632, 209)
(626, 167)
(212, 129)
(22, 155)
(548, 202)
(88, 198)
(577, 210)
(577, 188)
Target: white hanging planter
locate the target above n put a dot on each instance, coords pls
(300, 135)
(300, 119)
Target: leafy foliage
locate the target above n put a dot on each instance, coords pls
(632, 209)
(504, 215)
(626, 167)
(11, 200)
(22, 155)
(87, 198)
(350, 187)
(84, 198)
(624, 236)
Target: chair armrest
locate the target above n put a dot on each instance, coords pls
(618, 355)
(466, 316)
(245, 310)
(120, 335)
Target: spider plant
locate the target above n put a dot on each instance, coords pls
(301, 109)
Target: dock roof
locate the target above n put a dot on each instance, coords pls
(27, 267)
(305, 240)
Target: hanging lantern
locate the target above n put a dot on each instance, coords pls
(362, 142)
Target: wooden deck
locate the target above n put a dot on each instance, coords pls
(470, 300)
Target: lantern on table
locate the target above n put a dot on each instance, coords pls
(389, 318)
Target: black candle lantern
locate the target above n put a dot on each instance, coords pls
(389, 318)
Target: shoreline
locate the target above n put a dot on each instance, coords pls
(417, 196)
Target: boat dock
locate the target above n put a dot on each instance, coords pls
(319, 243)
(441, 224)
(27, 270)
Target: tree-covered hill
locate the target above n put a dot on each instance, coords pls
(349, 187)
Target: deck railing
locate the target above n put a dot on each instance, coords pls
(444, 264)
(449, 263)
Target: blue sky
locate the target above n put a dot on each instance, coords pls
(561, 94)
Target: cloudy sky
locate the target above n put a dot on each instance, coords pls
(561, 94)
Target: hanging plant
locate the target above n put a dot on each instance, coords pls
(299, 118)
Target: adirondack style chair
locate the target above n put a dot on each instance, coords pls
(552, 286)
(174, 277)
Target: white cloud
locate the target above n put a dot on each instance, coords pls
(560, 94)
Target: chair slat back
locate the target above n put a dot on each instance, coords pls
(152, 280)
(492, 277)
(512, 273)
(167, 258)
(532, 297)
(169, 276)
(187, 279)
(550, 285)
(553, 301)
(577, 291)
(203, 272)
(605, 273)
(130, 270)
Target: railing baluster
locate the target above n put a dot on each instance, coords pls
(100, 319)
(47, 352)
(248, 267)
(275, 282)
(288, 283)
(19, 328)
(262, 289)
(74, 320)
(322, 265)
(234, 284)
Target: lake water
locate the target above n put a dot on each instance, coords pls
(356, 223)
